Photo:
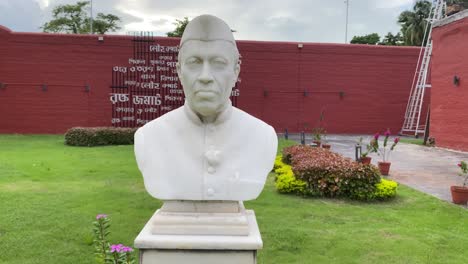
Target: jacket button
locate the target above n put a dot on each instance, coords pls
(211, 170)
(210, 192)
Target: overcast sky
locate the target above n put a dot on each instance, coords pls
(271, 20)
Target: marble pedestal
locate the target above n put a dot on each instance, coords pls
(204, 232)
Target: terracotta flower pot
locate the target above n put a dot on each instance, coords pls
(326, 146)
(459, 194)
(366, 160)
(384, 167)
(316, 142)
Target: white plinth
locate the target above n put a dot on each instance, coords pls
(215, 246)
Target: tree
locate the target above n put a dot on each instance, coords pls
(180, 27)
(373, 39)
(392, 40)
(414, 23)
(74, 19)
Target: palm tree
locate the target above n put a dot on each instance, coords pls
(414, 23)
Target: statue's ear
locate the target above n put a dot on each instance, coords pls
(237, 69)
(178, 70)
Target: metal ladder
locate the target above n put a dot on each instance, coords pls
(412, 124)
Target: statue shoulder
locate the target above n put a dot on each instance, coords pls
(251, 121)
(161, 123)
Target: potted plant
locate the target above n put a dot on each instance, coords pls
(384, 151)
(460, 193)
(364, 159)
(317, 135)
(324, 141)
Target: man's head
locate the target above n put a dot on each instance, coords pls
(208, 64)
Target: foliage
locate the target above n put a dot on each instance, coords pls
(412, 140)
(385, 189)
(375, 146)
(457, 2)
(329, 174)
(73, 18)
(180, 27)
(48, 191)
(431, 141)
(286, 182)
(104, 252)
(372, 39)
(101, 232)
(464, 171)
(319, 133)
(369, 149)
(413, 23)
(99, 136)
(392, 40)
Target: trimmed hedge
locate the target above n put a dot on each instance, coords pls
(99, 136)
(385, 189)
(329, 174)
(285, 181)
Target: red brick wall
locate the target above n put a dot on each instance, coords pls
(281, 84)
(449, 112)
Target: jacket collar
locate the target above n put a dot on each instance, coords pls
(221, 118)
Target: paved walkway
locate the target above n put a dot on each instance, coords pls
(427, 169)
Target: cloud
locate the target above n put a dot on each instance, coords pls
(393, 3)
(20, 15)
(273, 20)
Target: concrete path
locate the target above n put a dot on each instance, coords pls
(427, 169)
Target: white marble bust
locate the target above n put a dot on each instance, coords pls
(206, 149)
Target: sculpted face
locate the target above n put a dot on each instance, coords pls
(208, 70)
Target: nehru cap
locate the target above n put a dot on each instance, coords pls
(207, 28)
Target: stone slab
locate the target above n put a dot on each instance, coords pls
(149, 256)
(252, 241)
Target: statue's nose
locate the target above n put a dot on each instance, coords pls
(205, 75)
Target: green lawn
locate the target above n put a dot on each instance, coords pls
(50, 194)
(412, 140)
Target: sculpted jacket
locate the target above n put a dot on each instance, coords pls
(183, 159)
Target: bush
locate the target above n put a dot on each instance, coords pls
(385, 189)
(286, 182)
(329, 174)
(99, 136)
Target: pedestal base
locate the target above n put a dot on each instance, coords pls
(154, 256)
(197, 248)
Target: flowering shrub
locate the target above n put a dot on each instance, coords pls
(286, 182)
(104, 252)
(385, 189)
(375, 147)
(464, 171)
(329, 174)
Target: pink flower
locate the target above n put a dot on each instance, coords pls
(387, 133)
(116, 248)
(459, 164)
(376, 136)
(127, 249)
(396, 140)
(99, 216)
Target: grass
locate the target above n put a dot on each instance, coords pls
(50, 193)
(410, 140)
